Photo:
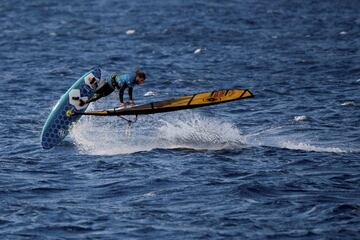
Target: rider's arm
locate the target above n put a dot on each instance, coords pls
(95, 97)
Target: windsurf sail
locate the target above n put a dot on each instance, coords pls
(175, 104)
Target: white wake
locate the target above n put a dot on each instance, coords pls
(111, 135)
(185, 129)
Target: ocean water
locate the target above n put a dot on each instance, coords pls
(282, 165)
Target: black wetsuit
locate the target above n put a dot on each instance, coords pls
(104, 89)
(121, 92)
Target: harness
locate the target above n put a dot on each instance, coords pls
(114, 83)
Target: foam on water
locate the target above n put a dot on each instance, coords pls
(150, 93)
(279, 138)
(300, 118)
(348, 103)
(112, 136)
(199, 50)
(310, 148)
(130, 32)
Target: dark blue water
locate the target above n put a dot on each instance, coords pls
(282, 165)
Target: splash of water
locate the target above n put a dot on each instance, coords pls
(199, 132)
(112, 136)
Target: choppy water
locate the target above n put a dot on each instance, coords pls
(282, 165)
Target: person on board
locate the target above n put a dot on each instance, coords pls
(122, 81)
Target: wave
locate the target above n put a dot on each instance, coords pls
(348, 103)
(300, 118)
